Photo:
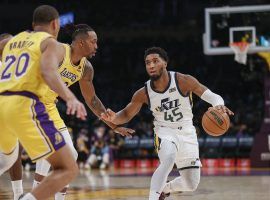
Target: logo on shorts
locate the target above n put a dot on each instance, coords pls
(194, 162)
(58, 138)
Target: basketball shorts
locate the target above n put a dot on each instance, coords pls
(55, 117)
(186, 144)
(24, 117)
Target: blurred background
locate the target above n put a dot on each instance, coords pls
(125, 29)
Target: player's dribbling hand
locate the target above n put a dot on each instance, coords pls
(124, 131)
(75, 106)
(224, 109)
(109, 115)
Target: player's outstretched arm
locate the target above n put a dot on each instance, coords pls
(125, 115)
(93, 102)
(191, 84)
(52, 55)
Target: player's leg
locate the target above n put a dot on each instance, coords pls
(167, 153)
(42, 170)
(43, 166)
(15, 173)
(9, 147)
(105, 158)
(92, 160)
(8, 159)
(41, 139)
(188, 181)
(64, 169)
(189, 164)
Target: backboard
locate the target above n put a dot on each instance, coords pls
(225, 25)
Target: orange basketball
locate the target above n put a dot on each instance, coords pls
(215, 122)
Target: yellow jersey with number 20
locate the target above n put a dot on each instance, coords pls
(20, 70)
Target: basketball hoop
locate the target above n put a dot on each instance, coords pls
(240, 51)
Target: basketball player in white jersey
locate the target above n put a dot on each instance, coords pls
(168, 97)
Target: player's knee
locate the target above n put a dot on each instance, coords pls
(72, 171)
(193, 183)
(42, 168)
(6, 161)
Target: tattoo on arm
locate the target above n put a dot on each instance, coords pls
(97, 106)
(88, 91)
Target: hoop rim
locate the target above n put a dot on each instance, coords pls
(239, 44)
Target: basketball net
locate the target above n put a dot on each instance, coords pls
(240, 50)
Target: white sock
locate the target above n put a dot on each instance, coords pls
(28, 196)
(59, 196)
(153, 195)
(17, 189)
(35, 184)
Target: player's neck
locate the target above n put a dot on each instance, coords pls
(43, 29)
(75, 58)
(162, 83)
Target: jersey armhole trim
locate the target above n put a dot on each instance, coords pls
(177, 86)
(190, 99)
(148, 98)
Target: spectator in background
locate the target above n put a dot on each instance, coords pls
(99, 156)
(114, 143)
(99, 134)
(241, 131)
(82, 148)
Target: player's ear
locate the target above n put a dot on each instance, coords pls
(81, 43)
(165, 64)
(55, 24)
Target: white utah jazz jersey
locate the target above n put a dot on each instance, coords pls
(170, 108)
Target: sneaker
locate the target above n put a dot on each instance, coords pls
(164, 195)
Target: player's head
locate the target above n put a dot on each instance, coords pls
(84, 39)
(156, 60)
(46, 18)
(4, 37)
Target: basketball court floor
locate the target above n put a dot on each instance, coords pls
(133, 184)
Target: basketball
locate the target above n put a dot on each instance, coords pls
(215, 123)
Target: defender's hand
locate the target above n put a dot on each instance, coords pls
(109, 115)
(75, 106)
(124, 131)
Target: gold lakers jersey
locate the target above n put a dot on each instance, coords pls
(69, 72)
(20, 69)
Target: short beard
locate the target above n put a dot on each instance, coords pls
(156, 77)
